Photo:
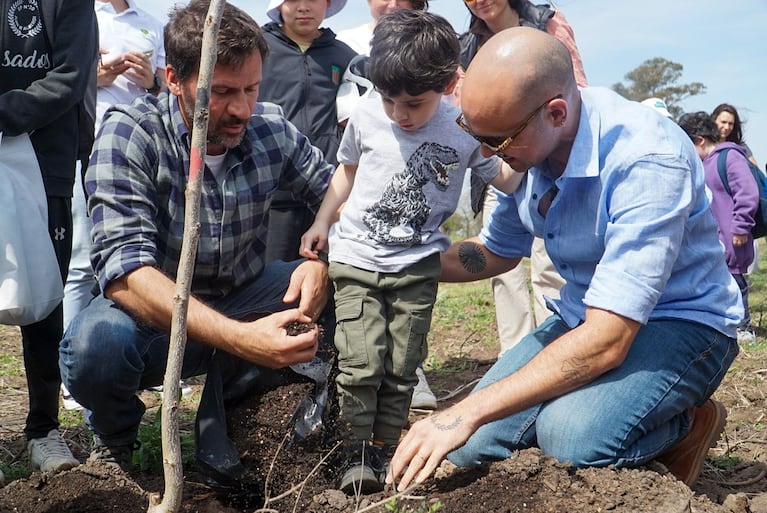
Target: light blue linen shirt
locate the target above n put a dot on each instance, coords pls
(630, 230)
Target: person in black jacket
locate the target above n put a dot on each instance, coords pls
(297, 45)
(48, 63)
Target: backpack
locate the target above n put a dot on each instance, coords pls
(760, 228)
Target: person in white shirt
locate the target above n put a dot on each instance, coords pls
(358, 38)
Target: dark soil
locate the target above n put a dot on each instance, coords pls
(301, 478)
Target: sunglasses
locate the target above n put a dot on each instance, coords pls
(498, 144)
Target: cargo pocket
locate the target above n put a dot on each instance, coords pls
(417, 348)
(350, 333)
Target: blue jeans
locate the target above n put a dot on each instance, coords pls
(105, 356)
(627, 416)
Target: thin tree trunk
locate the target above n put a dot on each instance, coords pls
(171, 444)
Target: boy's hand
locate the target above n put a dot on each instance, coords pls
(314, 241)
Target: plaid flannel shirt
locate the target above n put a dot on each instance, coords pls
(137, 178)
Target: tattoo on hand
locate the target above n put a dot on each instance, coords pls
(574, 368)
(446, 427)
(471, 257)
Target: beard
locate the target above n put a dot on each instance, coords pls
(216, 134)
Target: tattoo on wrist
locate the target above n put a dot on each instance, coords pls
(574, 369)
(471, 257)
(446, 427)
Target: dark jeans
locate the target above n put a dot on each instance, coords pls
(740, 279)
(106, 356)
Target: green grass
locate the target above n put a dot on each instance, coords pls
(757, 299)
(466, 309)
(148, 457)
(11, 365)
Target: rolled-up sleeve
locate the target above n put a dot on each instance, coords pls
(121, 199)
(643, 231)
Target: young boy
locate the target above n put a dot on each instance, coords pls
(302, 75)
(403, 161)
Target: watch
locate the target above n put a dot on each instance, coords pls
(155, 87)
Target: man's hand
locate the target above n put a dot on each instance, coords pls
(309, 282)
(266, 342)
(140, 70)
(148, 294)
(110, 67)
(426, 444)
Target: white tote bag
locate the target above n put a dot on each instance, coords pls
(30, 281)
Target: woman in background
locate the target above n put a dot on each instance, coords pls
(734, 211)
(731, 127)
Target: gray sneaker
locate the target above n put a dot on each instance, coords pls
(50, 453)
(120, 456)
(2, 479)
(746, 335)
(423, 397)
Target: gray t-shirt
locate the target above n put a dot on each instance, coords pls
(406, 185)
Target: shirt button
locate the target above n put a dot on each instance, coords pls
(535, 196)
(549, 235)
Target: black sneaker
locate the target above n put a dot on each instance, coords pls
(365, 469)
(120, 456)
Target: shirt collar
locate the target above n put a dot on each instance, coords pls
(107, 7)
(584, 154)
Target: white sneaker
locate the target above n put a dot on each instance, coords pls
(185, 389)
(423, 397)
(69, 402)
(50, 453)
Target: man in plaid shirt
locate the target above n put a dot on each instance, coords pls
(240, 307)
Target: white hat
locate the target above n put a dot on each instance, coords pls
(273, 11)
(349, 94)
(659, 105)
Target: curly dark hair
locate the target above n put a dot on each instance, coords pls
(238, 37)
(413, 51)
(700, 124)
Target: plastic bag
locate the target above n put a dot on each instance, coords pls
(30, 280)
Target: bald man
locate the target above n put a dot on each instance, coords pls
(623, 371)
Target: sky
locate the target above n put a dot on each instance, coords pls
(722, 44)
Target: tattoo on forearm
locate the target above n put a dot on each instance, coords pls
(446, 427)
(574, 368)
(471, 257)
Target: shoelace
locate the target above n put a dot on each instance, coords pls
(54, 445)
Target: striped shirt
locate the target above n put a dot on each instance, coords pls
(137, 178)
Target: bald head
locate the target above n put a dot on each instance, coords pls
(515, 70)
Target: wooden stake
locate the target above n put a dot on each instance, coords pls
(171, 444)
